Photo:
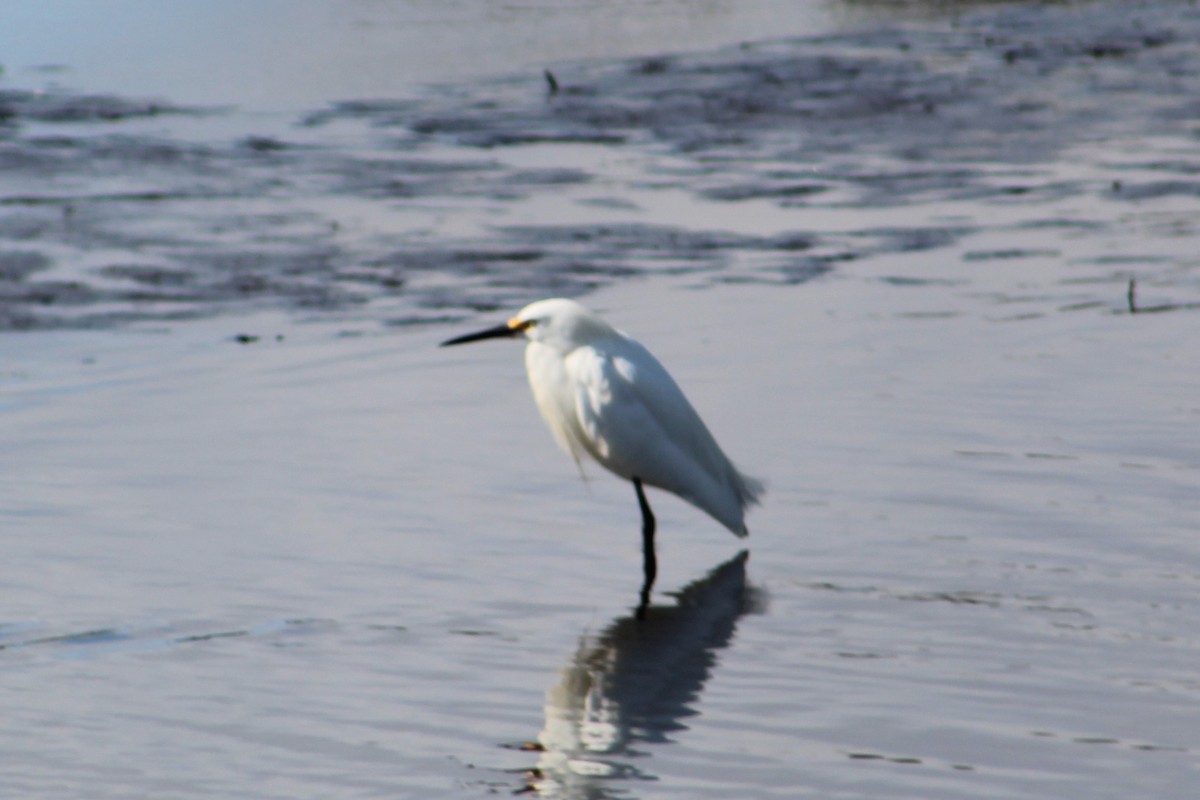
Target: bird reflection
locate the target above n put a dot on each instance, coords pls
(636, 682)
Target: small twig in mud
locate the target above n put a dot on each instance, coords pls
(1131, 297)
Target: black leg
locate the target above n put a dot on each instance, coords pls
(649, 562)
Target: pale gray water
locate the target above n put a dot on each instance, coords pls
(336, 561)
(290, 55)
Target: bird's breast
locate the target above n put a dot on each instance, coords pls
(549, 380)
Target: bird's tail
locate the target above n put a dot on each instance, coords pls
(749, 493)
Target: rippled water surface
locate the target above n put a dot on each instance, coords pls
(934, 278)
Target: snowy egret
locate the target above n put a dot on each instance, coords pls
(604, 395)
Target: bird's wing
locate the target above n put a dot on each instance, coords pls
(675, 415)
(637, 422)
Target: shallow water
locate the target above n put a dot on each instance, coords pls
(263, 538)
(285, 55)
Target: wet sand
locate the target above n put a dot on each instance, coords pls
(264, 538)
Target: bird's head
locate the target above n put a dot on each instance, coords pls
(559, 323)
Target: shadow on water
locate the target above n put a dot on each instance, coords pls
(635, 682)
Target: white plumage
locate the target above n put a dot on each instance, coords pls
(604, 395)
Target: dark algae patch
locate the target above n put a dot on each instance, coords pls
(102, 223)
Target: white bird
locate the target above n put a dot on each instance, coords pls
(604, 395)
